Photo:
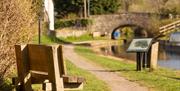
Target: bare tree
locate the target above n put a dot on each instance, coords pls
(158, 5)
(126, 4)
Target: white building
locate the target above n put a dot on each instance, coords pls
(49, 9)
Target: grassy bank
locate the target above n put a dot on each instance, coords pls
(85, 37)
(92, 83)
(44, 40)
(160, 80)
(47, 40)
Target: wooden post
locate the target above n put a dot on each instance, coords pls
(54, 69)
(154, 56)
(23, 67)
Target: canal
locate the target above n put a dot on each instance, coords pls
(169, 57)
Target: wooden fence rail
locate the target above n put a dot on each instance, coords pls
(169, 27)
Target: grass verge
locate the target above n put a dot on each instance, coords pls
(160, 80)
(44, 40)
(85, 37)
(92, 83)
(48, 40)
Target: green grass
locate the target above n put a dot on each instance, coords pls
(48, 40)
(5, 84)
(92, 83)
(160, 80)
(44, 40)
(85, 37)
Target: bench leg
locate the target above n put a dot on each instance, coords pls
(54, 70)
(47, 86)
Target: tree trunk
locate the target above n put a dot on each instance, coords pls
(85, 9)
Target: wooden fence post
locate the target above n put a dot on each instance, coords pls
(154, 55)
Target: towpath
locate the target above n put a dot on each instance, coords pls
(113, 80)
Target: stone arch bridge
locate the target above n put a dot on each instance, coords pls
(111, 22)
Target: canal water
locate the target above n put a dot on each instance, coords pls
(169, 57)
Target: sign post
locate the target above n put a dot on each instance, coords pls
(141, 48)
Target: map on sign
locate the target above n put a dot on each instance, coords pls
(140, 45)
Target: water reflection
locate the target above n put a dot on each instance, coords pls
(120, 51)
(168, 56)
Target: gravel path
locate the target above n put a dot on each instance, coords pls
(113, 80)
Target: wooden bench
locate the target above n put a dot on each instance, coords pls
(43, 64)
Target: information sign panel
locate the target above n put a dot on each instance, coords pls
(140, 45)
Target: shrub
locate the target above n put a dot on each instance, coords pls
(85, 22)
(73, 23)
(64, 7)
(104, 6)
(17, 26)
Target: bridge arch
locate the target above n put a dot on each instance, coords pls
(138, 30)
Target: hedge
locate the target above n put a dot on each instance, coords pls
(72, 23)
